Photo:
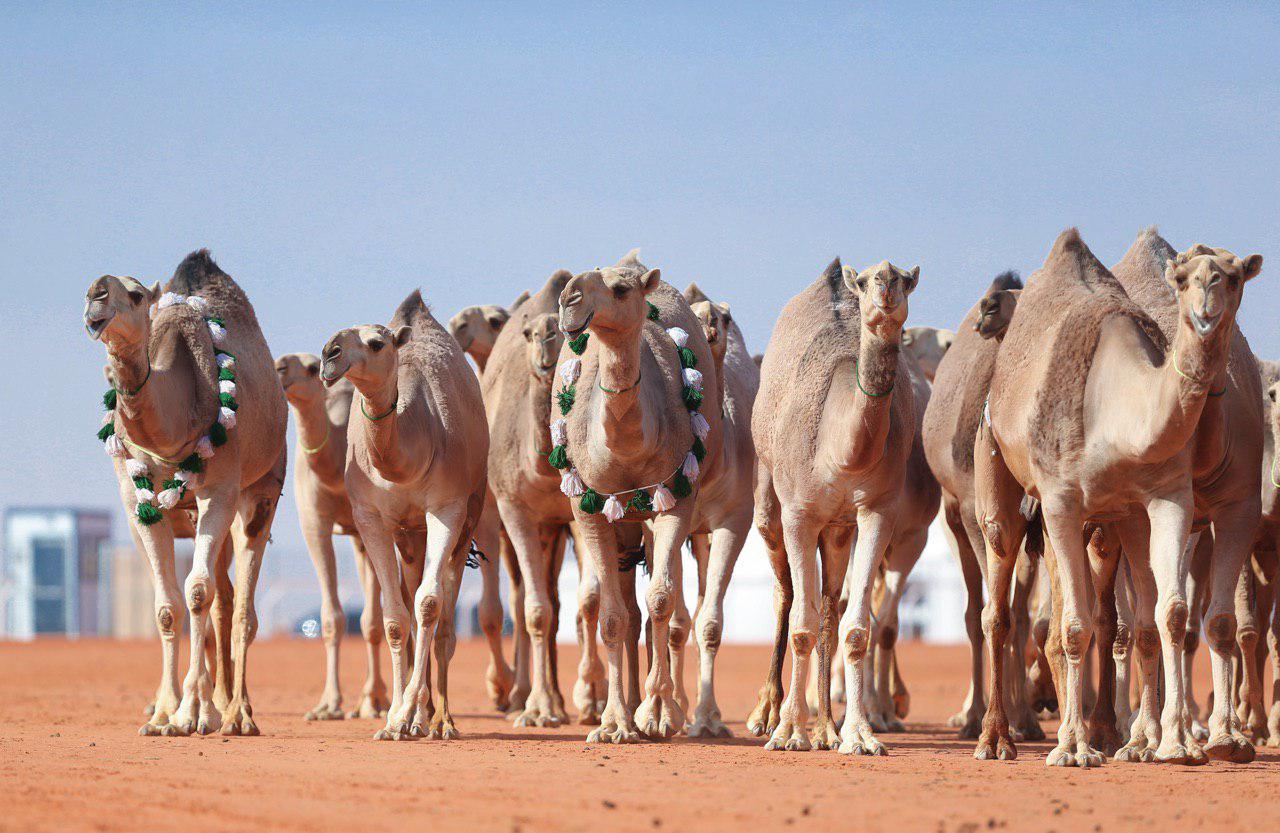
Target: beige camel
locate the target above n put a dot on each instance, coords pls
(320, 489)
(476, 330)
(926, 346)
(165, 430)
(1096, 415)
(635, 432)
(722, 519)
(834, 441)
(416, 480)
(950, 424)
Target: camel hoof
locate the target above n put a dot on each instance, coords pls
(788, 738)
(206, 727)
(995, 746)
(856, 746)
(499, 681)
(589, 713)
(613, 733)
(444, 730)
(709, 728)
(383, 734)
(1089, 759)
(1199, 731)
(971, 730)
(824, 737)
(1031, 731)
(1236, 750)
(415, 731)
(326, 712)
(150, 730)
(1059, 756)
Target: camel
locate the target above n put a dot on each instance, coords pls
(950, 424)
(517, 389)
(415, 476)
(635, 444)
(320, 489)
(722, 519)
(833, 442)
(926, 346)
(196, 424)
(476, 329)
(1060, 433)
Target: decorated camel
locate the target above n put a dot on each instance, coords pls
(834, 441)
(634, 443)
(416, 480)
(1059, 432)
(320, 490)
(195, 423)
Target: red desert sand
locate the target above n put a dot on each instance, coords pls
(71, 759)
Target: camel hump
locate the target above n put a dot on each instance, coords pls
(556, 283)
(521, 298)
(196, 272)
(1008, 279)
(412, 312)
(631, 258)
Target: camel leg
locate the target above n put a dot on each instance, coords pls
(588, 689)
(318, 533)
(801, 537)
(374, 701)
(1233, 536)
(838, 694)
(901, 560)
(678, 641)
(1247, 601)
(969, 719)
(555, 542)
(196, 713)
(379, 545)
(1026, 726)
(726, 544)
(659, 715)
(1104, 558)
(1271, 562)
(1122, 648)
(446, 640)
(156, 543)
(766, 715)
(499, 677)
(522, 645)
(1197, 595)
(532, 552)
(1144, 731)
(1041, 684)
(875, 532)
(223, 608)
(833, 549)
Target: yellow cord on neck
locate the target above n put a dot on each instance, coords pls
(1189, 379)
(323, 443)
(137, 447)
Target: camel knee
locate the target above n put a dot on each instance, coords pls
(369, 626)
(589, 606)
(613, 626)
(198, 594)
(661, 603)
(995, 623)
(1221, 630)
(888, 637)
(537, 618)
(710, 631)
(245, 624)
(1123, 640)
(856, 642)
(333, 625)
(427, 607)
(997, 536)
(394, 628)
(1175, 619)
(1075, 639)
(1148, 643)
(1191, 641)
(169, 620)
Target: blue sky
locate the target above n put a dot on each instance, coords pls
(334, 157)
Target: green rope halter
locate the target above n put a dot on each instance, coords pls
(388, 413)
(857, 377)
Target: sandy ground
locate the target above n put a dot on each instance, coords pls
(71, 759)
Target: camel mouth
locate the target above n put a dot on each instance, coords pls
(95, 327)
(1204, 324)
(574, 333)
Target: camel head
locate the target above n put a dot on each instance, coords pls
(299, 375)
(117, 311)
(715, 320)
(367, 355)
(476, 329)
(995, 311)
(1273, 407)
(1209, 284)
(610, 300)
(926, 346)
(543, 340)
(882, 294)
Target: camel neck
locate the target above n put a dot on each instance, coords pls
(318, 438)
(153, 404)
(618, 385)
(875, 379)
(480, 358)
(395, 451)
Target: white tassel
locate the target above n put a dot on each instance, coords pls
(170, 299)
(690, 467)
(115, 447)
(571, 484)
(198, 304)
(226, 360)
(136, 468)
(613, 509)
(218, 332)
(144, 495)
(204, 448)
(169, 498)
(701, 428)
(227, 418)
(227, 386)
(693, 378)
(183, 476)
(559, 432)
(679, 336)
(663, 500)
(571, 370)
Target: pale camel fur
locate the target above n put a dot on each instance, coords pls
(926, 346)
(415, 475)
(168, 378)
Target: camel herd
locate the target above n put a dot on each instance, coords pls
(1099, 442)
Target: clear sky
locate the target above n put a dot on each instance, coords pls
(334, 157)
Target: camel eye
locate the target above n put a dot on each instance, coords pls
(621, 290)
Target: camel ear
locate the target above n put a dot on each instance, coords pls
(910, 280)
(724, 310)
(402, 336)
(1172, 276)
(1252, 266)
(1271, 393)
(908, 338)
(946, 339)
(852, 280)
(649, 280)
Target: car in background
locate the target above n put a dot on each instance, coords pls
(308, 626)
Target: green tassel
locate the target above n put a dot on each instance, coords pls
(699, 450)
(143, 483)
(565, 399)
(228, 401)
(216, 320)
(653, 311)
(680, 485)
(106, 431)
(217, 434)
(640, 502)
(148, 514)
(591, 502)
(692, 399)
(579, 345)
(687, 359)
(109, 399)
(226, 374)
(171, 483)
(192, 463)
(559, 457)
